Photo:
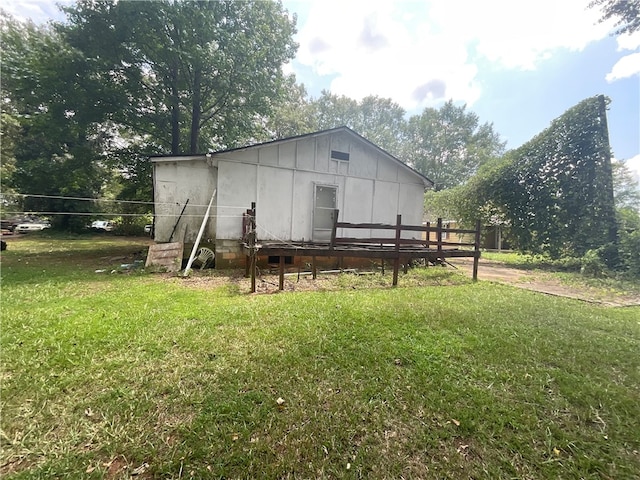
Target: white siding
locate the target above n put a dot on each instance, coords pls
(275, 193)
(237, 184)
(175, 183)
(281, 178)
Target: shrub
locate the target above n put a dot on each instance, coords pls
(630, 253)
(592, 264)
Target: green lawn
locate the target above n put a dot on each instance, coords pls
(113, 375)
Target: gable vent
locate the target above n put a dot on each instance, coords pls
(337, 155)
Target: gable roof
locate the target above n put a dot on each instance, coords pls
(343, 129)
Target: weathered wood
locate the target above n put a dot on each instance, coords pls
(334, 230)
(476, 256)
(396, 263)
(397, 248)
(377, 226)
(252, 245)
(281, 273)
(165, 255)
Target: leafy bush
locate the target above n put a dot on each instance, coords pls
(630, 253)
(132, 225)
(592, 264)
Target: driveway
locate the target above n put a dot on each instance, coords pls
(545, 282)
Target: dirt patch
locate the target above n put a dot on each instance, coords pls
(535, 280)
(545, 282)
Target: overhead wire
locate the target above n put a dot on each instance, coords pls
(102, 200)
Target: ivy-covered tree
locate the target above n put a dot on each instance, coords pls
(556, 191)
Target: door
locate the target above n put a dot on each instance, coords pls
(324, 206)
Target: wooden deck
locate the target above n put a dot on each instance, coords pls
(396, 248)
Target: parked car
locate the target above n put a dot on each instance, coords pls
(103, 225)
(31, 227)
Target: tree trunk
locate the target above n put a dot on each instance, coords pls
(195, 111)
(175, 112)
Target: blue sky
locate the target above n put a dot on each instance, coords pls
(516, 64)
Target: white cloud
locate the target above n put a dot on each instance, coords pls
(39, 11)
(521, 34)
(629, 41)
(626, 67)
(418, 53)
(633, 164)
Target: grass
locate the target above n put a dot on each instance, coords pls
(119, 375)
(567, 272)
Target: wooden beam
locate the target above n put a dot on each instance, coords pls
(281, 268)
(396, 262)
(476, 251)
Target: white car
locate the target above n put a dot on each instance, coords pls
(104, 225)
(32, 227)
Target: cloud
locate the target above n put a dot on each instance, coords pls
(626, 67)
(519, 35)
(39, 11)
(318, 45)
(629, 41)
(398, 49)
(370, 38)
(433, 89)
(633, 164)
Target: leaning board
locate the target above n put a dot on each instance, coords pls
(166, 255)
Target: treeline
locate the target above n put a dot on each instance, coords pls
(88, 99)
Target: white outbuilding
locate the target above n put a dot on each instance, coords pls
(297, 184)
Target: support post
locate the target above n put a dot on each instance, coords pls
(314, 270)
(281, 272)
(476, 252)
(396, 262)
(334, 230)
(252, 244)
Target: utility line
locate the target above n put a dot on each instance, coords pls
(138, 202)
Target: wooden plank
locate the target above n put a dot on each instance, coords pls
(377, 226)
(165, 255)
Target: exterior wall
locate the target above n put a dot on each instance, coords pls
(281, 179)
(175, 182)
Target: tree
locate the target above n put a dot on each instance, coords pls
(556, 191)
(626, 190)
(448, 145)
(56, 142)
(379, 120)
(292, 115)
(185, 75)
(625, 12)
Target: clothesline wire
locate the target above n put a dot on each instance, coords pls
(108, 200)
(120, 214)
